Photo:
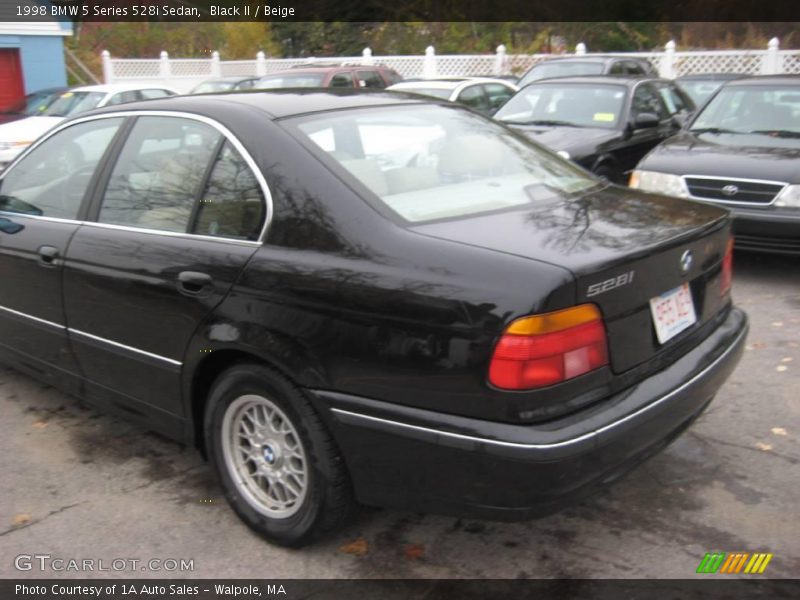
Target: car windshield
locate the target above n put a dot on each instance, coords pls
(565, 104)
(700, 90)
(213, 86)
(32, 104)
(436, 162)
(746, 115)
(559, 68)
(291, 80)
(72, 103)
(426, 91)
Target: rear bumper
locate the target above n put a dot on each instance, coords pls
(415, 459)
(767, 230)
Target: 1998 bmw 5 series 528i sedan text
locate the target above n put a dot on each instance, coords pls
(346, 297)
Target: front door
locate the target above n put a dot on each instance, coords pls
(171, 227)
(40, 200)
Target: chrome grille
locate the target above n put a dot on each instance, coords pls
(733, 190)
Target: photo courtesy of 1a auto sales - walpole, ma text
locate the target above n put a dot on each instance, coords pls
(441, 300)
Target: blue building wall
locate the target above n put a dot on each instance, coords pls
(42, 58)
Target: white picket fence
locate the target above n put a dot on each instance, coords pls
(183, 74)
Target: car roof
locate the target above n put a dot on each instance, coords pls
(274, 103)
(710, 76)
(231, 78)
(589, 58)
(624, 80)
(108, 88)
(765, 80)
(322, 68)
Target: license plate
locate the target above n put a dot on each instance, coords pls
(672, 311)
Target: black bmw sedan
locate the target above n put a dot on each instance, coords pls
(742, 151)
(345, 297)
(605, 124)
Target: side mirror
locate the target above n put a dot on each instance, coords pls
(646, 121)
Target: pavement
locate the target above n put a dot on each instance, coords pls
(77, 484)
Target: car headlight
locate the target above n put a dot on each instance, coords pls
(789, 197)
(661, 183)
(563, 154)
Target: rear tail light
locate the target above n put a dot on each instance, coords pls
(727, 270)
(545, 349)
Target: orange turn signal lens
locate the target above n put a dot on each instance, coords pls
(555, 321)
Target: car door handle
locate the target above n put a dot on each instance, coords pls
(48, 255)
(193, 283)
(8, 226)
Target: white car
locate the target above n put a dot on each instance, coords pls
(483, 94)
(18, 135)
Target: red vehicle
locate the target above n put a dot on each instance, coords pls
(331, 76)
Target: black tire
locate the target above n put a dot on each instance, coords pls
(327, 500)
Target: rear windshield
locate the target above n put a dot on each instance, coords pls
(435, 162)
(291, 80)
(571, 104)
(562, 69)
(72, 103)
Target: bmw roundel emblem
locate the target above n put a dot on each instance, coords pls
(686, 261)
(730, 190)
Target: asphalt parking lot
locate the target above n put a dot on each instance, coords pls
(77, 484)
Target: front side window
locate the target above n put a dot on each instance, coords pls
(434, 162)
(474, 97)
(645, 100)
(159, 173)
(498, 94)
(52, 179)
(342, 80)
(567, 105)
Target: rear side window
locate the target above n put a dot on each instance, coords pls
(617, 68)
(159, 174)
(634, 68)
(52, 180)
(369, 79)
(342, 80)
(232, 204)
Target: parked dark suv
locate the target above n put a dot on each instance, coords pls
(596, 64)
(331, 76)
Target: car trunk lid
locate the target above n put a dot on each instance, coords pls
(623, 248)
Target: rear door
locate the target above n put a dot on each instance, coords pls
(173, 222)
(41, 199)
